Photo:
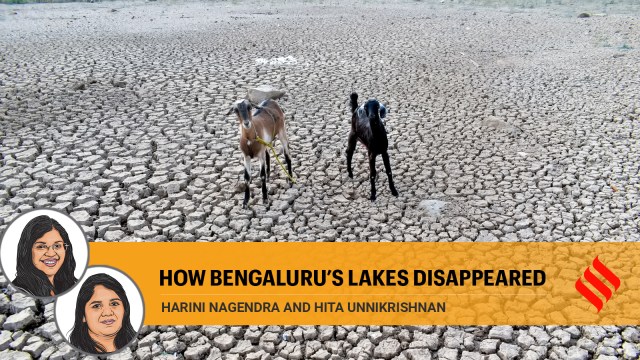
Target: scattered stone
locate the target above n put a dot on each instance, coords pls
(326, 333)
(501, 332)
(191, 337)
(560, 337)
(5, 340)
(20, 302)
(433, 207)
(48, 330)
(19, 341)
(197, 352)
(81, 217)
(497, 124)
(20, 320)
(576, 353)
(5, 303)
(448, 354)
(595, 333)
(467, 355)
(630, 351)
(531, 355)
(224, 342)
(614, 341)
(387, 349)
(489, 346)
(114, 235)
(375, 337)
(65, 351)
(322, 354)
(586, 344)
(28, 155)
(525, 340)
(508, 351)
(174, 346)
(262, 92)
(310, 333)
(144, 353)
(417, 354)
(15, 355)
(631, 334)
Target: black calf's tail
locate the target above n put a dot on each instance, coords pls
(354, 102)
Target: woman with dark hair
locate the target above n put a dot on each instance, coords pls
(102, 323)
(44, 263)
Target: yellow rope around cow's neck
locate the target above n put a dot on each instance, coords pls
(270, 146)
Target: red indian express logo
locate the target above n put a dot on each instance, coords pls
(598, 284)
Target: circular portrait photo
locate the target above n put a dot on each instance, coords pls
(101, 315)
(44, 253)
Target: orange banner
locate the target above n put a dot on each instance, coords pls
(382, 283)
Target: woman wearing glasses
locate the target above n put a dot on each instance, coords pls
(45, 263)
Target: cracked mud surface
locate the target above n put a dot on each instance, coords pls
(503, 126)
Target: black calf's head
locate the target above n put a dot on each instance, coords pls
(373, 110)
(242, 109)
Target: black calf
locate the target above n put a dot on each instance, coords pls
(367, 126)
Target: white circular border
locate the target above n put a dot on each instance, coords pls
(65, 305)
(11, 238)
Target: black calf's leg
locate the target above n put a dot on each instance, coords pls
(287, 159)
(351, 147)
(372, 175)
(268, 161)
(263, 178)
(387, 168)
(247, 180)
